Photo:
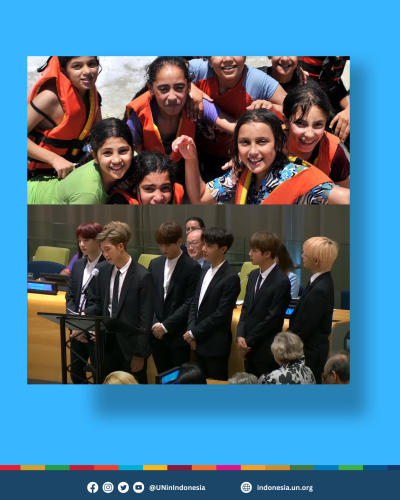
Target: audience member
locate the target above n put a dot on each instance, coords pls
(287, 350)
(337, 368)
(243, 378)
(285, 263)
(117, 378)
(194, 244)
(191, 374)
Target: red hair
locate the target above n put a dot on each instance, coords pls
(89, 231)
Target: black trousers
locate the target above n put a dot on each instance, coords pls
(168, 357)
(115, 360)
(81, 350)
(215, 367)
(259, 368)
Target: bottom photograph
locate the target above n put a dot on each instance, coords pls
(172, 295)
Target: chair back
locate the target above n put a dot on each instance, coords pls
(345, 300)
(53, 254)
(36, 267)
(146, 258)
(246, 269)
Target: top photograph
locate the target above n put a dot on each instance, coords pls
(200, 130)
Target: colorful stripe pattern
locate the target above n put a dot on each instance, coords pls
(199, 467)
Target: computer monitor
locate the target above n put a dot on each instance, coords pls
(62, 280)
(291, 308)
(169, 377)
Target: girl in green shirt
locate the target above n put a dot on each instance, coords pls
(112, 151)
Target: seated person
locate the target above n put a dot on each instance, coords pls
(194, 244)
(67, 271)
(337, 368)
(117, 378)
(194, 223)
(90, 184)
(243, 378)
(287, 349)
(191, 374)
(151, 181)
(306, 113)
(262, 173)
(284, 261)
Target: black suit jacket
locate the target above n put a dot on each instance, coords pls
(312, 320)
(262, 316)
(75, 283)
(173, 312)
(135, 308)
(211, 323)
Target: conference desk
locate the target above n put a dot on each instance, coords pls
(44, 355)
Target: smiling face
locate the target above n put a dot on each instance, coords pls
(88, 246)
(82, 71)
(305, 133)
(194, 244)
(170, 90)
(114, 158)
(229, 69)
(256, 146)
(284, 65)
(155, 189)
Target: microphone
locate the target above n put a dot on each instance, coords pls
(245, 278)
(85, 287)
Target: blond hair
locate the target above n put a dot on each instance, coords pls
(116, 378)
(323, 249)
(116, 232)
(287, 347)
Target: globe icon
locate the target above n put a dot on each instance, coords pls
(246, 487)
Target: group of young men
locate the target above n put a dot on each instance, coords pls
(184, 301)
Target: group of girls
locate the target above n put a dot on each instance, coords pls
(205, 130)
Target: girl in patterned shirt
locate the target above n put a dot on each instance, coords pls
(261, 172)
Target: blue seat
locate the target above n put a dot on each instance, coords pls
(44, 266)
(301, 290)
(345, 300)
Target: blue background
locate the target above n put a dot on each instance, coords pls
(356, 424)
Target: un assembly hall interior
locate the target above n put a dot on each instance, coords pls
(52, 243)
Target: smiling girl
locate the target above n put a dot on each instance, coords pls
(157, 117)
(152, 178)
(112, 152)
(62, 108)
(268, 176)
(306, 112)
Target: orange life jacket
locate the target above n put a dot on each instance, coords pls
(287, 192)
(68, 138)
(152, 140)
(327, 150)
(176, 200)
(324, 67)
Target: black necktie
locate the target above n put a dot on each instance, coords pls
(114, 305)
(258, 284)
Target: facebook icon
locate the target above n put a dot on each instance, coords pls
(92, 487)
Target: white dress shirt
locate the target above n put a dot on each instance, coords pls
(86, 275)
(169, 269)
(263, 276)
(315, 276)
(123, 271)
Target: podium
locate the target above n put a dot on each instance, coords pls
(100, 325)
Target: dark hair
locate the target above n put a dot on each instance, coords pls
(218, 236)
(168, 233)
(303, 98)
(150, 162)
(157, 65)
(106, 129)
(89, 230)
(285, 261)
(339, 362)
(63, 62)
(197, 219)
(262, 116)
(191, 374)
(265, 242)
